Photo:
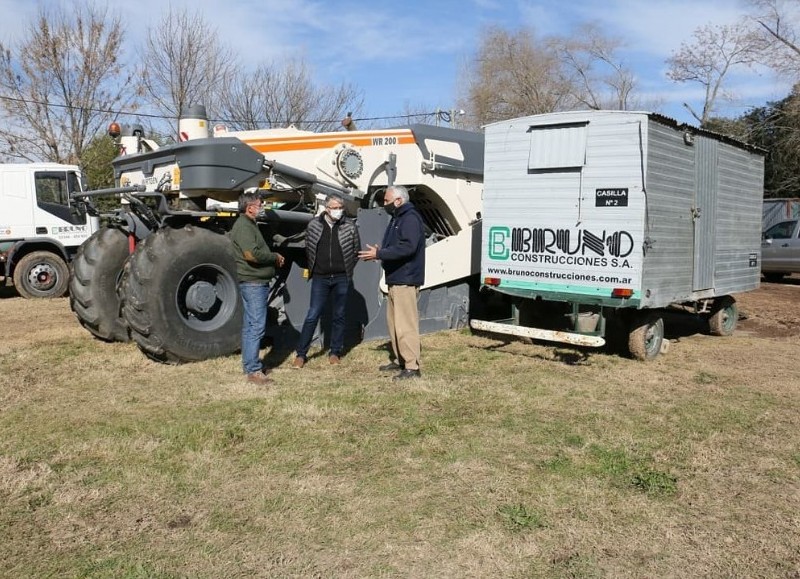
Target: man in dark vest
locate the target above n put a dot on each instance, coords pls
(332, 245)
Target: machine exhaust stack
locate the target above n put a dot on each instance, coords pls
(193, 123)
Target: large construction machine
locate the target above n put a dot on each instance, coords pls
(162, 273)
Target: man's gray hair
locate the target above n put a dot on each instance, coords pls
(246, 199)
(334, 197)
(399, 192)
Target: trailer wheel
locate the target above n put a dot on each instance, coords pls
(180, 296)
(724, 315)
(645, 336)
(41, 274)
(96, 272)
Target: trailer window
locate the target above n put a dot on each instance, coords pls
(561, 146)
(52, 187)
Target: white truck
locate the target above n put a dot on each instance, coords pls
(41, 226)
(597, 223)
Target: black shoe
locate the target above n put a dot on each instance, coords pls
(390, 367)
(407, 374)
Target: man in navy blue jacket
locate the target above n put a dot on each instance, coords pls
(402, 255)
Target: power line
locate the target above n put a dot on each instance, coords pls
(118, 113)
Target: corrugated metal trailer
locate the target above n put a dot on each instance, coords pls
(595, 222)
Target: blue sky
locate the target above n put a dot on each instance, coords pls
(409, 53)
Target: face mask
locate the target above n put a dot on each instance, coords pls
(336, 214)
(262, 214)
(390, 208)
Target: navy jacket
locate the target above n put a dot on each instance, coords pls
(402, 251)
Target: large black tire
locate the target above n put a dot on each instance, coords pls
(41, 274)
(646, 335)
(96, 272)
(180, 296)
(724, 316)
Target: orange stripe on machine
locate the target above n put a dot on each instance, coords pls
(315, 142)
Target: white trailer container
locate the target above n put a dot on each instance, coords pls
(597, 221)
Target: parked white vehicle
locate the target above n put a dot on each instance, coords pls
(780, 250)
(40, 226)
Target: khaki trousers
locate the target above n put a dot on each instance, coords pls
(402, 317)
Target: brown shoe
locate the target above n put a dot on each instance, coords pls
(334, 359)
(259, 378)
(298, 363)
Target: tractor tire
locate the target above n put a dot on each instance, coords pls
(180, 296)
(724, 316)
(96, 273)
(645, 336)
(41, 274)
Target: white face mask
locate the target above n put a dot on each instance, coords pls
(336, 214)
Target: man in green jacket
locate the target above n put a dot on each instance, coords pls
(255, 267)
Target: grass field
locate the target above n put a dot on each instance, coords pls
(506, 460)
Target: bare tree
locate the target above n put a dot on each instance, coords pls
(710, 57)
(60, 83)
(514, 74)
(600, 80)
(279, 96)
(185, 64)
(778, 20)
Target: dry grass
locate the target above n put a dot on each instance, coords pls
(505, 460)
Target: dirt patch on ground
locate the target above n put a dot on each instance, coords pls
(772, 311)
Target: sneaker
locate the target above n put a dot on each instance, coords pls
(390, 367)
(298, 363)
(407, 374)
(259, 378)
(334, 359)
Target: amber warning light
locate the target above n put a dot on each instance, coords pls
(621, 292)
(491, 281)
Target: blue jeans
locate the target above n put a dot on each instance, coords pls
(254, 324)
(322, 287)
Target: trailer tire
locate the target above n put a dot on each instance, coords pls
(93, 285)
(180, 296)
(41, 274)
(724, 316)
(645, 336)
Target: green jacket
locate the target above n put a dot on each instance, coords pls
(254, 260)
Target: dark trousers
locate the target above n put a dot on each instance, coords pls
(322, 288)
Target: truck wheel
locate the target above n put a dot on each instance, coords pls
(41, 274)
(96, 271)
(724, 315)
(180, 296)
(645, 336)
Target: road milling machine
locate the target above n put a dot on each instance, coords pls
(162, 272)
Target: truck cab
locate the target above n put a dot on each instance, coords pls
(41, 227)
(780, 250)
